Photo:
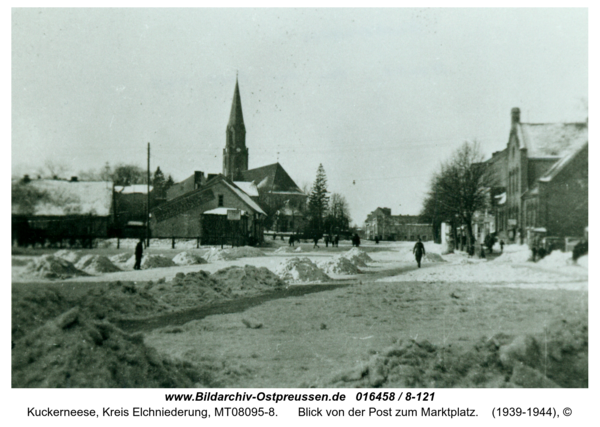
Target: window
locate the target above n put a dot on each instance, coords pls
(220, 200)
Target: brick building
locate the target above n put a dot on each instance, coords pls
(206, 213)
(383, 225)
(541, 182)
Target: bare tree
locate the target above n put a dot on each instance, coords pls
(53, 169)
(460, 188)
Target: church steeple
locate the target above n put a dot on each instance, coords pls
(235, 153)
(236, 118)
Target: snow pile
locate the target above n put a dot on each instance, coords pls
(358, 257)
(72, 350)
(583, 261)
(151, 261)
(216, 254)
(338, 265)
(298, 249)
(301, 270)
(557, 259)
(189, 290)
(120, 258)
(248, 278)
(556, 358)
(71, 256)
(244, 252)
(50, 267)
(96, 264)
(515, 254)
(188, 258)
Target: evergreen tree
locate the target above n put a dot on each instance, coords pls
(318, 203)
(158, 184)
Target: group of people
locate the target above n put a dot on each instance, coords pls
(334, 240)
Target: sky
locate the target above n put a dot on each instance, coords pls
(379, 97)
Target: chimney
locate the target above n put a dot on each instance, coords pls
(198, 179)
(73, 179)
(515, 115)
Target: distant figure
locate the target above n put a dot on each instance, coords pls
(355, 240)
(501, 246)
(419, 251)
(292, 240)
(482, 251)
(327, 241)
(336, 240)
(316, 240)
(376, 240)
(580, 250)
(139, 250)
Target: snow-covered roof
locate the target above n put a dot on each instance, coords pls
(562, 163)
(131, 189)
(246, 198)
(221, 211)
(552, 139)
(71, 198)
(248, 187)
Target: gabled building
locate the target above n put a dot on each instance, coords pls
(557, 204)
(532, 150)
(280, 199)
(55, 211)
(217, 212)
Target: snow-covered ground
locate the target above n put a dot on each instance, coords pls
(510, 269)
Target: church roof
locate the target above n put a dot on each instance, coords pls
(235, 117)
(552, 139)
(272, 179)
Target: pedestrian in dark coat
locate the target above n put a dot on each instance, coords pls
(327, 241)
(419, 251)
(337, 240)
(139, 250)
(292, 240)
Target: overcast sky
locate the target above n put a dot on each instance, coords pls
(379, 97)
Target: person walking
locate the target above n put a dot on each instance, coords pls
(501, 246)
(419, 251)
(139, 250)
(316, 240)
(337, 240)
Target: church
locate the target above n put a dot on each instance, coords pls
(235, 206)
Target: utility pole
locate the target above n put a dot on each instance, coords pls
(148, 202)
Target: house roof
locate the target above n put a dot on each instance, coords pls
(562, 163)
(247, 187)
(245, 198)
(551, 139)
(132, 189)
(272, 179)
(61, 198)
(195, 197)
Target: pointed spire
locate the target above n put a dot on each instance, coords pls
(235, 117)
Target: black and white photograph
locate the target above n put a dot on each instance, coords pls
(299, 198)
